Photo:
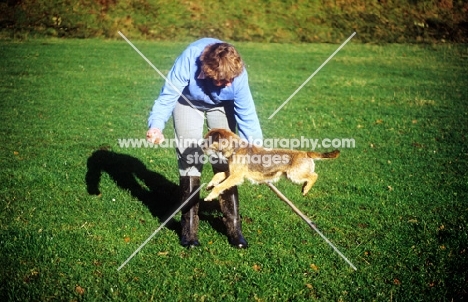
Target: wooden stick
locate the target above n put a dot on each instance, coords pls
(307, 220)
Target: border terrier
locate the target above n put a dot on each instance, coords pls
(258, 164)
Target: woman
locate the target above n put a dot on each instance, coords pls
(207, 82)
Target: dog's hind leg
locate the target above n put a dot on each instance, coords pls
(309, 183)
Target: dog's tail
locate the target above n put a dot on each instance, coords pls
(318, 155)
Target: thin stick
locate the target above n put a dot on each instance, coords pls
(312, 75)
(306, 219)
(159, 72)
(160, 227)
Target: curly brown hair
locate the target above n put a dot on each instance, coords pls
(221, 62)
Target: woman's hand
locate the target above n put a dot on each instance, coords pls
(155, 136)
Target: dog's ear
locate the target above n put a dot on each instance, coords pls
(214, 135)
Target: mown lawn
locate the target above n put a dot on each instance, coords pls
(75, 204)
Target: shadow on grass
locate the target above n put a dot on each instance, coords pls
(158, 194)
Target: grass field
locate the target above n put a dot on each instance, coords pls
(74, 204)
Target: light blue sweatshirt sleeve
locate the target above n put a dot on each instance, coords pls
(248, 124)
(183, 72)
(177, 80)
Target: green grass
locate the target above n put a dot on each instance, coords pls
(395, 204)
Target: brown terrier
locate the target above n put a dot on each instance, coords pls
(257, 164)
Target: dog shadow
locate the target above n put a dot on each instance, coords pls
(161, 196)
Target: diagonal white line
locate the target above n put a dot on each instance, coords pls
(308, 221)
(306, 81)
(160, 227)
(159, 72)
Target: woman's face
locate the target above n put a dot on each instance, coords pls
(219, 83)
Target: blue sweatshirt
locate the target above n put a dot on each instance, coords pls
(203, 94)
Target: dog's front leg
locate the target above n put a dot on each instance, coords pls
(217, 178)
(228, 183)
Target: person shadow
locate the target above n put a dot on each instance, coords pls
(161, 196)
(129, 173)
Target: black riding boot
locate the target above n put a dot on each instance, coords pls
(229, 203)
(189, 220)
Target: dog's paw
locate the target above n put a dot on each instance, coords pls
(210, 196)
